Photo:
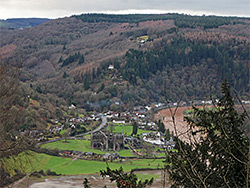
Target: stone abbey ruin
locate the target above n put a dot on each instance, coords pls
(105, 140)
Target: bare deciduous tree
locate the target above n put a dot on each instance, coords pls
(12, 144)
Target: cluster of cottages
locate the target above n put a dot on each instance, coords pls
(138, 114)
(157, 138)
(79, 120)
(245, 101)
(39, 134)
(72, 122)
(108, 141)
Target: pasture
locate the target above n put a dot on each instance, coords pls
(68, 166)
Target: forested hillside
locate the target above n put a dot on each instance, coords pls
(182, 21)
(187, 66)
(69, 60)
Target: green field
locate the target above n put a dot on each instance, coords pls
(81, 145)
(148, 176)
(127, 129)
(67, 166)
(84, 145)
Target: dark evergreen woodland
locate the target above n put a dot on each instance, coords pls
(182, 57)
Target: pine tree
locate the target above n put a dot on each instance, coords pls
(161, 127)
(135, 129)
(167, 135)
(65, 75)
(101, 88)
(86, 82)
(217, 153)
(86, 183)
(125, 180)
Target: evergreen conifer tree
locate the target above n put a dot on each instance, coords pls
(217, 153)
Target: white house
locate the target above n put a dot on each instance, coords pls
(72, 106)
(119, 121)
(111, 67)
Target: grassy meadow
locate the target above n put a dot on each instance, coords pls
(127, 130)
(68, 166)
(81, 145)
(84, 145)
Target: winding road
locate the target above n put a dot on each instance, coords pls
(104, 121)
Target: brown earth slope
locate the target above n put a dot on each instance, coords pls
(41, 47)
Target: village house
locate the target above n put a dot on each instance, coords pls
(157, 138)
(119, 121)
(111, 67)
(72, 106)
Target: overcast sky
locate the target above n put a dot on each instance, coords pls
(62, 8)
